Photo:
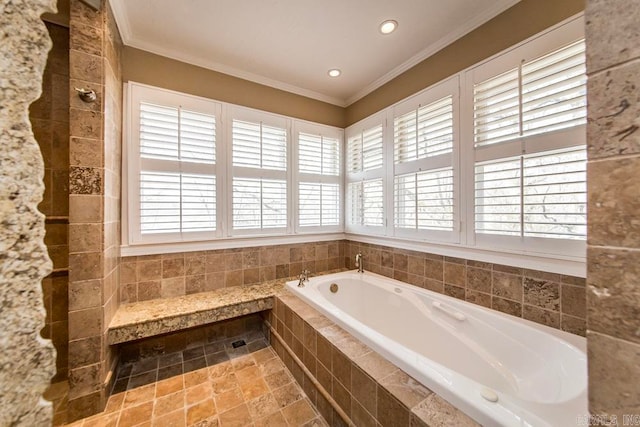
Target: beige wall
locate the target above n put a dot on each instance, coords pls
(145, 67)
(521, 21)
(516, 24)
(613, 174)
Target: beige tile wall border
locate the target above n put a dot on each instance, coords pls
(550, 299)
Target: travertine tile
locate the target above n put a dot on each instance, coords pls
(507, 286)
(612, 362)
(437, 412)
(613, 294)
(613, 112)
(613, 203)
(612, 34)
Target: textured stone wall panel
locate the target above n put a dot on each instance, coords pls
(27, 362)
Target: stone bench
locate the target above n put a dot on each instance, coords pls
(151, 318)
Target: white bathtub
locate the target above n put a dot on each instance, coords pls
(461, 350)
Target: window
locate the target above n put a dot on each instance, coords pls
(174, 179)
(319, 177)
(491, 160)
(365, 173)
(259, 153)
(530, 155)
(192, 178)
(423, 149)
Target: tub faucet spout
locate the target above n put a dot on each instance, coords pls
(303, 277)
(359, 262)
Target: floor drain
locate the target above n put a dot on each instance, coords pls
(237, 344)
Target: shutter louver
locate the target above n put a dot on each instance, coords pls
(198, 201)
(319, 204)
(159, 130)
(364, 151)
(175, 134)
(259, 203)
(554, 91)
(425, 132)
(173, 202)
(174, 144)
(424, 200)
(497, 197)
(318, 155)
(256, 145)
(366, 203)
(197, 137)
(372, 203)
(496, 109)
(159, 202)
(555, 195)
(372, 148)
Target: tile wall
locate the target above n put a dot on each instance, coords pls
(551, 299)
(160, 276)
(49, 117)
(613, 178)
(94, 204)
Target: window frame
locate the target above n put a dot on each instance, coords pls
(224, 236)
(135, 94)
(380, 173)
(300, 126)
(448, 87)
(534, 48)
(533, 252)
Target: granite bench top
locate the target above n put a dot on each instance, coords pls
(155, 317)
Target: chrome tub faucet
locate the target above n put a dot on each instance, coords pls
(359, 262)
(303, 277)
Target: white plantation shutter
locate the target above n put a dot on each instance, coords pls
(366, 203)
(554, 91)
(423, 144)
(496, 106)
(259, 203)
(529, 133)
(497, 196)
(173, 167)
(424, 132)
(259, 185)
(555, 194)
(318, 178)
(424, 200)
(364, 151)
(365, 175)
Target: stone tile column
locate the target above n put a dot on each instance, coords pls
(27, 362)
(94, 204)
(613, 254)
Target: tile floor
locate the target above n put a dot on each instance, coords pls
(213, 384)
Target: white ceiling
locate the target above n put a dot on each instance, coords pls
(291, 44)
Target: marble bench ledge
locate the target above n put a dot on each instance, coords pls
(160, 316)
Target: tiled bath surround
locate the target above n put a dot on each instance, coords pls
(551, 299)
(160, 276)
(348, 382)
(49, 117)
(613, 252)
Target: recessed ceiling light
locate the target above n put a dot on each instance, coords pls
(334, 72)
(388, 26)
